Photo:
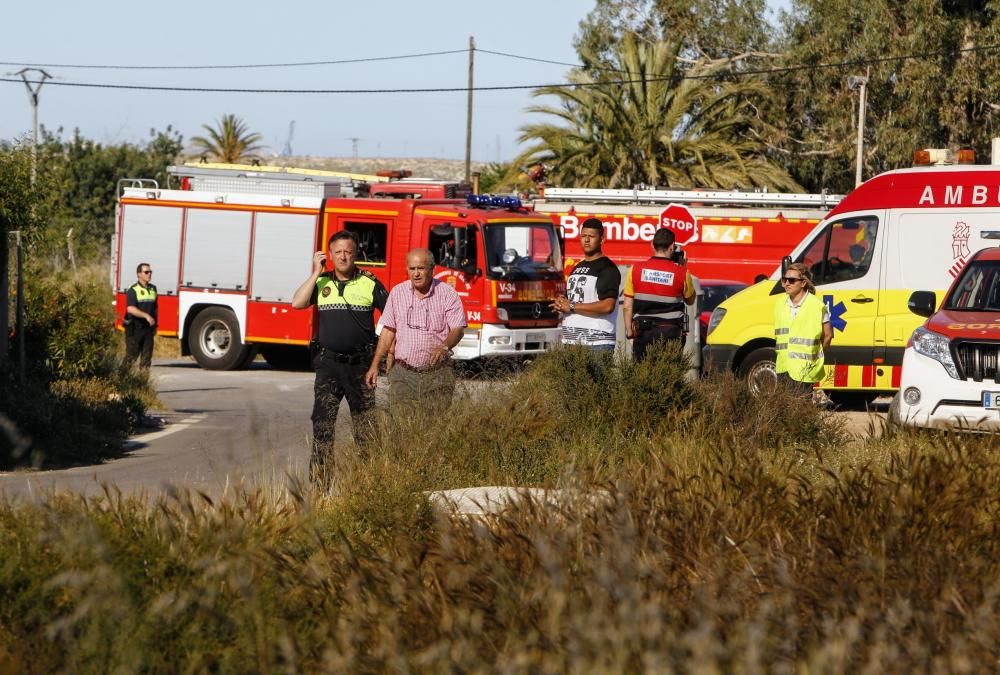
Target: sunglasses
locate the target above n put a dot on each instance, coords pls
(146, 272)
(791, 280)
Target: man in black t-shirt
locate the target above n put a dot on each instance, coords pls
(346, 300)
(590, 307)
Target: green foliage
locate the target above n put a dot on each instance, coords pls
(78, 179)
(703, 554)
(492, 177)
(80, 399)
(230, 141)
(704, 28)
(674, 123)
(943, 99)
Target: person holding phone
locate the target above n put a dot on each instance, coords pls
(346, 299)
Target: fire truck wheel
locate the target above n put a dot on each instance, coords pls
(758, 370)
(215, 340)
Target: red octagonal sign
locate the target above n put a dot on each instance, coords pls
(683, 223)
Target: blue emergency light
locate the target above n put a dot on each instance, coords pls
(493, 201)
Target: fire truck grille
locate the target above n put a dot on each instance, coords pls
(528, 311)
(977, 360)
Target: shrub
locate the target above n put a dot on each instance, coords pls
(79, 399)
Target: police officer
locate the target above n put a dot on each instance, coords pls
(346, 299)
(140, 317)
(655, 294)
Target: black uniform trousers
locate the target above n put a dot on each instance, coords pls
(337, 376)
(649, 331)
(139, 343)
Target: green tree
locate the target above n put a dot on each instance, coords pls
(704, 28)
(77, 179)
(943, 96)
(230, 141)
(675, 122)
(17, 213)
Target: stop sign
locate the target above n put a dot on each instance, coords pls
(679, 218)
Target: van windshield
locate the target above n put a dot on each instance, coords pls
(978, 289)
(522, 251)
(842, 251)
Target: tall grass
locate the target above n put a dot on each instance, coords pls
(771, 546)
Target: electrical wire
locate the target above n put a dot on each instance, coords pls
(235, 66)
(557, 85)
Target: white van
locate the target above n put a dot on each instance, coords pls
(900, 231)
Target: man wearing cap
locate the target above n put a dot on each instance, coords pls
(655, 295)
(346, 299)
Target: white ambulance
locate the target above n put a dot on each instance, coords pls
(950, 365)
(900, 231)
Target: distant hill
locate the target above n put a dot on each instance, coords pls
(422, 167)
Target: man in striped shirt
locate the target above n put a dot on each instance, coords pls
(422, 321)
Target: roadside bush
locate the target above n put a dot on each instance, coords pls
(79, 399)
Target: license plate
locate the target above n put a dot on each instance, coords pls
(991, 400)
(535, 337)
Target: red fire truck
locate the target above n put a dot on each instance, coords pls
(229, 251)
(725, 235)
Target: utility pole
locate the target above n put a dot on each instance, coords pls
(468, 116)
(33, 96)
(860, 82)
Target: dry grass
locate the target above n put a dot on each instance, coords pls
(735, 537)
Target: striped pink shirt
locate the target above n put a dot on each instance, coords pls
(422, 324)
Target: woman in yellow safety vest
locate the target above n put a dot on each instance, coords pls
(801, 330)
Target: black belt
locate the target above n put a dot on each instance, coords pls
(353, 358)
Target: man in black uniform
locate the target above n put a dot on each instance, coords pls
(346, 300)
(140, 317)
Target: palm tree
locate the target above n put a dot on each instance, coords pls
(662, 120)
(230, 141)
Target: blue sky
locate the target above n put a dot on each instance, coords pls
(266, 31)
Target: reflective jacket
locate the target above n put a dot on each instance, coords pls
(798, 342)
(142, 297)
(657, 288)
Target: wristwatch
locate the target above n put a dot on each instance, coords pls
(572, 307)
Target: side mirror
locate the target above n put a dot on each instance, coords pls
(922, 303)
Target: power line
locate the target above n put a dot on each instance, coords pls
(557, 85)
(295, 64)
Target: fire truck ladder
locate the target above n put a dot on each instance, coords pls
(654, 196)
(277, 172)
(247, 179)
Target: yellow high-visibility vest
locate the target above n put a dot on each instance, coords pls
(799, 342)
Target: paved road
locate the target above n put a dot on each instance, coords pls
(222, 427)
(250, 427)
